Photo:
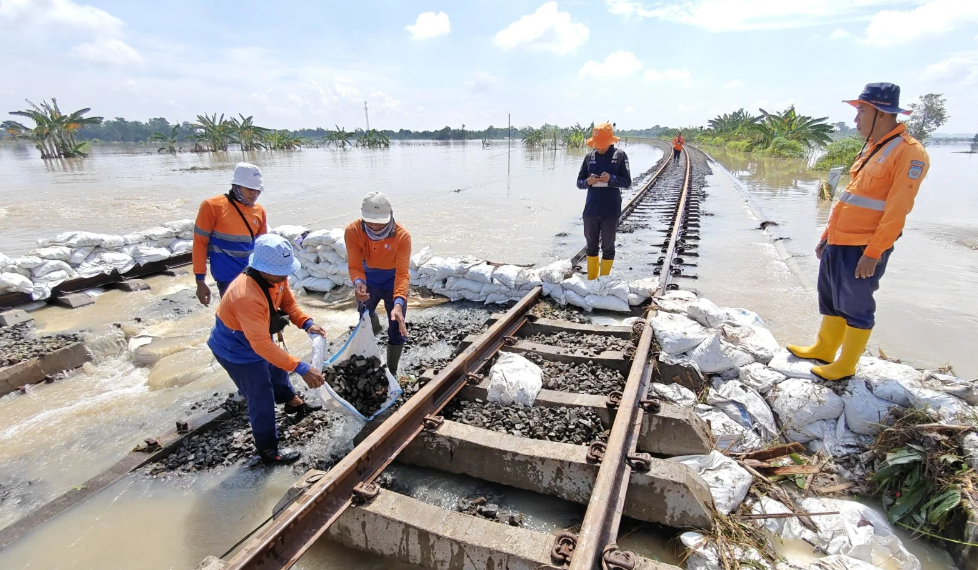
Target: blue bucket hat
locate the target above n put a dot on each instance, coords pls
(883, 96)
(273, 255)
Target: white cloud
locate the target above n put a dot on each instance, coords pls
(481, 82)
(109, 51)
(952, 69)
(127, 85)
(682, 76)
(348, 91)
(742, 15)
(733, 84)
(384, 102)
(40, 14)
(839, 34)
(892, 27)
(547, 29)
(429, 25)
(685, 107)
(618, 64)
(629, 109)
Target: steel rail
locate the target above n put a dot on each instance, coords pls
(630, 206)
(298, 526)
(676, 226)
(599, 530)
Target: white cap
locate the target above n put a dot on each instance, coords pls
(247, 175)
(376, 208)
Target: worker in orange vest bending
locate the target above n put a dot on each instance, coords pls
(859, 236)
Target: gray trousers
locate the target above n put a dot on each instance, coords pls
(600, 229)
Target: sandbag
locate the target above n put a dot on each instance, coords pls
(134, 238)
(317, 238)
(290, 233)
(78, 256)
(53, 278)
(753, 339)
(577, 284)
(556, 271)
(27, 261)
(787, 528)
(728, 481)
(952, 385)
(799, 402)
(40, 292)
(706, 313)
(792, 366)
(743, 317)
(497, 299)
(105, 263)
(675, 301)
(864, 412)
(514, 380)
(142, 254)
(831, 437)
(730, 435)
(511, 276)
(159, 233)
(703, 554)
(644, 288)
(463, 284)
(744, 406)
(362, 343)
(840, 563)
(607, 285)
(178, 226)
(79, 239)
(608, 303)
(760, 377)
(675, 333)
(556, 292)
(674, 393)
(182, 246)
(52, 253)
(635, 300)
(328, 255)
(858, 532)
(420, 258)
(481, 273)
(52, 266)
(430, 267)
(14, 282)
(573, 298)
(320, 284)
(112, 243)
(715, 355)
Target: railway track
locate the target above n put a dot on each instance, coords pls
(612, 475)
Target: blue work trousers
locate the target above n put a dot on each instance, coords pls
(222, 287)
(840, 293)
(394, 335)
(264, 385)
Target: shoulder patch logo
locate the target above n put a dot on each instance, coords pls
(916, 169)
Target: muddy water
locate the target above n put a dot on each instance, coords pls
(456, 197)
(927, 310)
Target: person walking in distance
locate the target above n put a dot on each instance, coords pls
(604, 173)
(379, 255)
(677, 147)
(862, 228)
(225, 231)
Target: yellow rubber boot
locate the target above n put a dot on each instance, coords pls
(845, 366)
(592, 267)
(830, 336)
(606, 266)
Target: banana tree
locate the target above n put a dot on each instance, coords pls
(532, 138)
(169, 141)
(283, 140)
(340, 137)
(812, 132)
(54, 132)
(373, 139)
(250, 136)
(215, 133)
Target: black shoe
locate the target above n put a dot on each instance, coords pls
(302, 410)
(281, 456)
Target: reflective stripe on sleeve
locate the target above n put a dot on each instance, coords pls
(862, 201)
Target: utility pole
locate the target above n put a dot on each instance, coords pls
(509, 139)
(366, 115)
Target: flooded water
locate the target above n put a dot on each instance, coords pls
(926, 310)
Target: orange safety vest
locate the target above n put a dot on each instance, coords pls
(677, 143)
(874, 206)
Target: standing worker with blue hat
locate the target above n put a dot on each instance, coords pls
(257, 305)
(859, 236)
(226, 228)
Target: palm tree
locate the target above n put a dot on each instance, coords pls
(249, 135)
(169, 141)
(54, 132)
(814, 133)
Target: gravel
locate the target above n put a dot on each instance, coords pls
(480, 507)
(581, 344)
(19, 343)
(547, 309)
(579, 426)
(589, 378)
(451, 327)
(361, 381)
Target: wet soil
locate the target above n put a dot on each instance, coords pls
(560, 424)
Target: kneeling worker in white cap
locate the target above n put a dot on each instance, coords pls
(226, 228)
(379, 255)
(257, 305)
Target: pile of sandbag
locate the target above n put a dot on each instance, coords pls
(322, 254)
(72, 255)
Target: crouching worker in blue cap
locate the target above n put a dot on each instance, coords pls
(257, 305)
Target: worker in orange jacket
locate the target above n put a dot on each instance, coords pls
(677, 146)
(862, 228)
(257, 305)
(379, 256)
(226, 228)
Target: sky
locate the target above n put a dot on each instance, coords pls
(430, 64)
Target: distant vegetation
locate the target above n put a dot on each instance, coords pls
(53, 132)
